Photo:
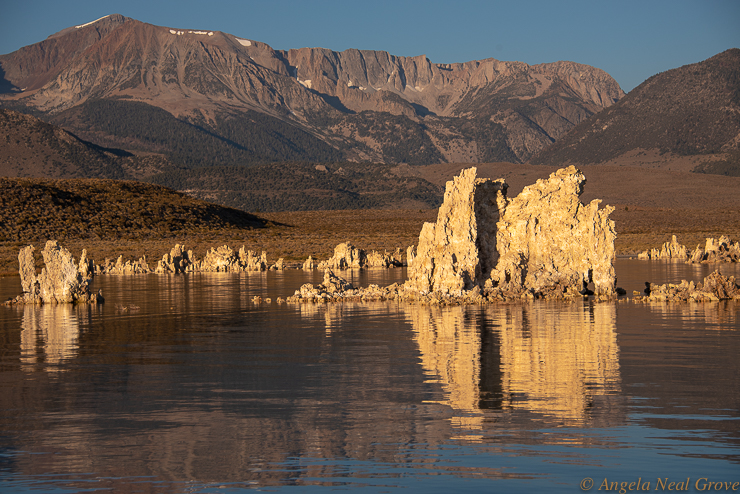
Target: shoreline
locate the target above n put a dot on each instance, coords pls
(296, 235)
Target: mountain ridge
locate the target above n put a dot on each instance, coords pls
(687, 112)
(351, 100)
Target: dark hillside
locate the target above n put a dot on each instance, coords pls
(33, 208)
(30, 147)
(229, 140)
(688, 111)
(305, 186)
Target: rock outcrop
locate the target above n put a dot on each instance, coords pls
(177, 261)
(669, 250)
(715, 287)
(383, 259)
(459, 250)
(333, 285)
(121, 267)
(542, 244)
(347, 256)
(309, 264)
(60, 281)
(718, 250)
(225, 259)
(715, 250)
(548, 240)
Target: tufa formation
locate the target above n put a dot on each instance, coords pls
(60, 281)
(544, 243)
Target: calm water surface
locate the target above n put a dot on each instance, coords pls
(183, 384)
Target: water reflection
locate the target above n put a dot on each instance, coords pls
(553, 361)
(200, 387)
(449, 339)
(559, 361)
(49, 333)
(722, 315)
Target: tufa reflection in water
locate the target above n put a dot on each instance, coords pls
(554, 362)
(49, 334)
(719, 315)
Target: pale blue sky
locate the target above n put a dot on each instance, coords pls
(631, 40)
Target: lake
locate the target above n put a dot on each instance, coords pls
(182, 384)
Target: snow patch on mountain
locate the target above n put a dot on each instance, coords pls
(93, 22)
(180, 33)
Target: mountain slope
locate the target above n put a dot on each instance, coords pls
(30, 147)
(354, 103)
(693, 110)
(33, 148)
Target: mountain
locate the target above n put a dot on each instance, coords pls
(688, 115)
(201, 98)
(33, 148)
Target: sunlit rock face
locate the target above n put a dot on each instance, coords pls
(345, 256)
(669, 250)
(60, 281)
(547, 239)
(458, 251)
(544, 241)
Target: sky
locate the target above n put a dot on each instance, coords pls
(631, 40)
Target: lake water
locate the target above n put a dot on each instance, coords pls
(183, 384)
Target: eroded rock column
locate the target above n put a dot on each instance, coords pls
(458, 251)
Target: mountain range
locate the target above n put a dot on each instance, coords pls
(205, 98)
(233, 121)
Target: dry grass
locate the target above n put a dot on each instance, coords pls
(293, 236)
(650, 207)
(296, 235)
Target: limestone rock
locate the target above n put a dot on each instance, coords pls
(669, 250)
(250, 261)
(309, 264)
(721, 250)
(345, 256)
(333, 287)
(334, 284)
(547, 239)
(121, 267)
(697, 255)
(177, 261)
(220, 259)
(715, 287)
(410, 254)
(459, 250)
(60, 281)
(382, 260)
(86, 267)
(542, 242)
(715, 250)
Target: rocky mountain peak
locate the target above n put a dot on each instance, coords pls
(354, 100)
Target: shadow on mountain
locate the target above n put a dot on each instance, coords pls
(334, 102)
(5, 85)
(422, 111)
